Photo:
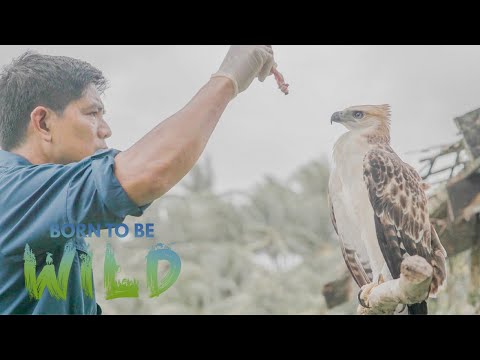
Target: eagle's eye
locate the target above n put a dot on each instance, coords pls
(358, 115)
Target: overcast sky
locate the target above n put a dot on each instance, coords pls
(265, 132)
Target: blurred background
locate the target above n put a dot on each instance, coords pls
(250, 222)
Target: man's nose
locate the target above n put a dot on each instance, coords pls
(104, 131)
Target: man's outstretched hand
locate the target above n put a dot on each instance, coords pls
(244, 63)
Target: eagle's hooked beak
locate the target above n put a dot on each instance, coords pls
(336, 117)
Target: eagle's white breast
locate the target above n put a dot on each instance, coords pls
(353, 211)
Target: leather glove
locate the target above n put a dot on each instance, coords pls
(244, 63)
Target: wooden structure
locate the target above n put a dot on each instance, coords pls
(455, 206)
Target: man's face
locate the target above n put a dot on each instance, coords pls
(81, 130)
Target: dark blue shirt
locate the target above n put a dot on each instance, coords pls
(32, 197)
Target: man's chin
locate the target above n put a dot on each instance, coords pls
(100, 147)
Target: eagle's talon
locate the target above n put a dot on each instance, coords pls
(360, 300)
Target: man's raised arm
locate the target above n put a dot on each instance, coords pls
(166, 154)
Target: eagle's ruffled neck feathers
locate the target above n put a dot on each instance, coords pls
(381, 133)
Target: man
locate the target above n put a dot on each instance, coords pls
(55, 167)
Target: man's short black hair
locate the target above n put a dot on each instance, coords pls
(34, 79)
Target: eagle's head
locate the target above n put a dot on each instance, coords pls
(364, 117)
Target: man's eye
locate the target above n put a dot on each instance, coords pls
(358, 114)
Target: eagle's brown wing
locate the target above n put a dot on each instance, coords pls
(401, 214)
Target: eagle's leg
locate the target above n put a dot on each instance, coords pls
(384, 275)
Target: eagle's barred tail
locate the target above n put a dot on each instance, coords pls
(418, 309)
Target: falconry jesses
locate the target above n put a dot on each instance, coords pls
(378, 203)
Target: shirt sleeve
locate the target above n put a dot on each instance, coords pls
(96, 196)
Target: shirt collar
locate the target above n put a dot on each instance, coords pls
(8, 158)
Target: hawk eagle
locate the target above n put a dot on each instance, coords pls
(378, 203)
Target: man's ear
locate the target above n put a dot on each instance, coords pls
(40, 118)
